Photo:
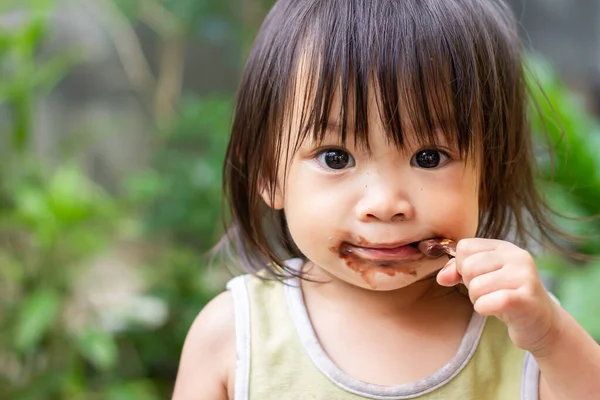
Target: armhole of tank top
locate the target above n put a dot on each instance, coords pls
(241, 310)
(530, 381)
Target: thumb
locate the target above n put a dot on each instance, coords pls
(449, 276)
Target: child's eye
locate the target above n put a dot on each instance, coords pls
(335, 159)
(429, 159)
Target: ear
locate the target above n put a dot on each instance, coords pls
(273, 196)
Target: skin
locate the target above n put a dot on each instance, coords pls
(502, 281)
(408, 326)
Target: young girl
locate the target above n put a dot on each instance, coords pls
(363, 127)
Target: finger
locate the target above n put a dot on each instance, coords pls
(495, 281)
(468, 246)
(497, 303)
(449, 276)
(479, 264)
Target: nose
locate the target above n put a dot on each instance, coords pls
(386, 202)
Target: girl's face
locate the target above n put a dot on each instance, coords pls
(356, 214)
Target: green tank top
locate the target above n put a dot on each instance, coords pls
(279, 356)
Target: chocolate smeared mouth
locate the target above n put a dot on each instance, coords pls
(369, 268)
(437, 247)
(369, 260)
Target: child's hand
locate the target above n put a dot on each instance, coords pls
(502, 280)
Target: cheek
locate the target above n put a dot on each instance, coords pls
(466, 211)
(453, 209)
(316, 210)
(310, 193)
(312, 224)
(304, 203)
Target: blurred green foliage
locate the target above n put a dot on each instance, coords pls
(50, 223)
(185, 180)
(571, 183)
(55, 343)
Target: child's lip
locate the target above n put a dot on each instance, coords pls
(385, 245)
(368, 244)
(384, 251)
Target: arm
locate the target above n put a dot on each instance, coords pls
(570, 363)
(208, 357)
(502, 280)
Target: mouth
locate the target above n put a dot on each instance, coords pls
(397, 252)
(400, 251)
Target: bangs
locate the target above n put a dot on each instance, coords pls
(420, 63)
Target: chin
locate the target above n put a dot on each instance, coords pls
(386, 284)
(379, 279)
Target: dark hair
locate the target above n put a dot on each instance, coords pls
(453, 60)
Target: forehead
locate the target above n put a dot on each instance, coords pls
(326, 102)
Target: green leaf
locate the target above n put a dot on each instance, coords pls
(23, 120)
(98, 347)
(6, 40)
(32, 35)
(72, 196)
(32, 205)
(36, 316)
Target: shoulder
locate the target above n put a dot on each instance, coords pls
(208, 358)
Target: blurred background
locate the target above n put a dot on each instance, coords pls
(114, 118)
